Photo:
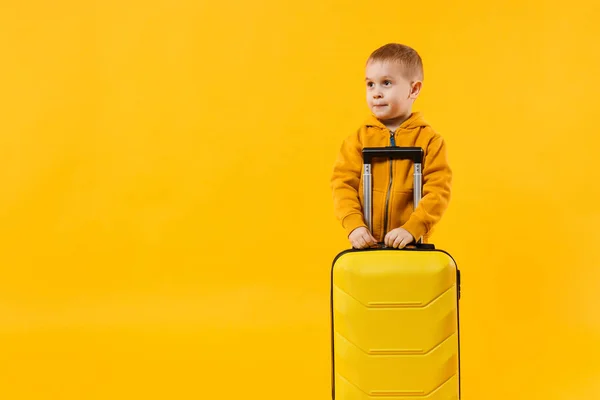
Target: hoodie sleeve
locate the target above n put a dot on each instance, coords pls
(345, 182)
(437, 182)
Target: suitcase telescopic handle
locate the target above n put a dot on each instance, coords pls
(415, 154)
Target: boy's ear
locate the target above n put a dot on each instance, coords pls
(415, 89)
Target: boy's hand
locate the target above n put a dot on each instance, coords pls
(361, 238)
(398, 238)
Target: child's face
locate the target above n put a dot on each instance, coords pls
(389, 94)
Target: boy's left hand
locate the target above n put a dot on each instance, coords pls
(398, 238)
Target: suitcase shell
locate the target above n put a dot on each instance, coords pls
(395, 325)
(395, 313)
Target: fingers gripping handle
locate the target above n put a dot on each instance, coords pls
(415, 154)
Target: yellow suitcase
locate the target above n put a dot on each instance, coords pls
(395, 313)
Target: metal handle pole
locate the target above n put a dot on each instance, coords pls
(417, 190)
(368, 200)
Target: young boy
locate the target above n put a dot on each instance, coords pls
(394, 76)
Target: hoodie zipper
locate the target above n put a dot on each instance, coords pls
(387, 196)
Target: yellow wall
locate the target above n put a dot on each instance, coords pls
(124, 126)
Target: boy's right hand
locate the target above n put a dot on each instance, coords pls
(361, 238)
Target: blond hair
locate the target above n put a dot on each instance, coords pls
(406, 56)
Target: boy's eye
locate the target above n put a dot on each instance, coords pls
(370, 84)
(387, 82)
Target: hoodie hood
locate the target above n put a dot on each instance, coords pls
(415, 121)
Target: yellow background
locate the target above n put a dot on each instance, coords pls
(166, 223)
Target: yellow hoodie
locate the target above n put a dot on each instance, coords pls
(395, 189)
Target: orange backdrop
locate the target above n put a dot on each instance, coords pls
(166, 221)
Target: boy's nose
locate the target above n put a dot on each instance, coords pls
(377, 95)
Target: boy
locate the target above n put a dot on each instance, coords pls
(394, 76)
